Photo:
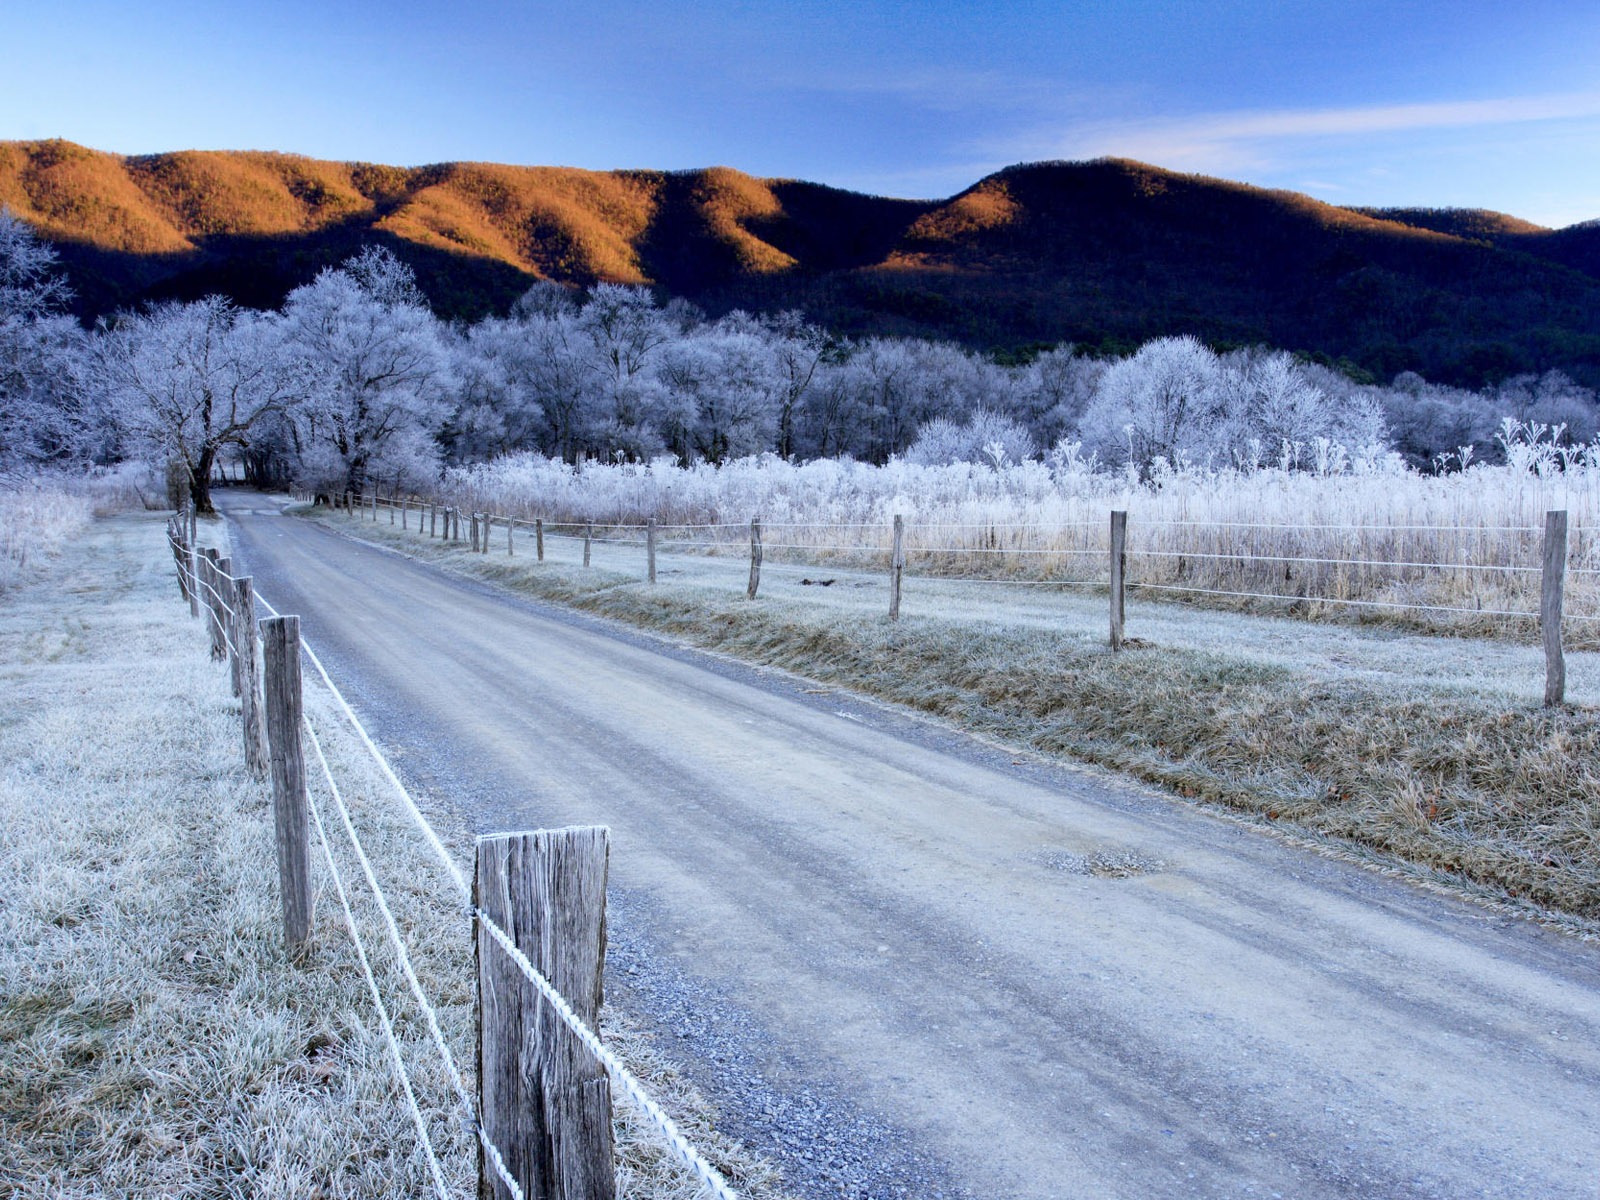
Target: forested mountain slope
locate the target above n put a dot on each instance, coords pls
(1106, 253)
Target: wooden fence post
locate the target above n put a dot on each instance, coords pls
(1119, 565)
(390, 506)
(225, 615)
(650, 548)
(897, 566)
(404, 514)
(210, 573)
(538, 538)
(249, 689)
(374, 506)
(433, 520)
(1552, 580)
(588, 536)
(280, 637)
(511, 528)
(194, 565)
(455, 524)
(755, 560)
(474, 520)
(544, 1100)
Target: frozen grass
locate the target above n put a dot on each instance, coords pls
(1373, 543)
(1397, 746)
(39, 513)
(153, 1038)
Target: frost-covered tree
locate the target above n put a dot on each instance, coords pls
(378, 368)
(623, 332)
(41, 353)
(1159, 403)
(1054, 390)
(725, 390)
(985, 437)
(187, 381)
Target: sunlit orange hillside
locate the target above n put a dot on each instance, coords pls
(1106, 252)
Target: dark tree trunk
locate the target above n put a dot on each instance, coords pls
(200, 481)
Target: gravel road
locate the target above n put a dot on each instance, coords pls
(906, 964)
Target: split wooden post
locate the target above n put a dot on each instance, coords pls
(1553, 581)
(538, 538)
(280, 637)
(1119, 570)
(650, 547)
(588, 536)
(755, 560)
(249, 675)
(897, 566)
(543, 1098)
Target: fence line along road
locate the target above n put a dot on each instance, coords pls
(542, 1133)
(1552, 568)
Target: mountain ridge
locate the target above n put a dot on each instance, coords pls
(1106, 252)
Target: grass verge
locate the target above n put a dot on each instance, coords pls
(1497, 797)
(154, 1038)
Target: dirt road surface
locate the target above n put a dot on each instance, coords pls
(905, 964)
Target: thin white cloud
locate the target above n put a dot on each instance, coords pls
(1250, 139)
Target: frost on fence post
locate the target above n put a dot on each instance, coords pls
(210, 579)
(755, 560)
(280, 640)
(250, 712)
(538, 538)
(1552, 582)
(1119, 566)
(650, 548)
(897, 566)
(588, 537)
(543, 1098)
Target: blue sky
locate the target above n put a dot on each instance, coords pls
(1482, 104)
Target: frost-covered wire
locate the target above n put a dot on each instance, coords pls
(1135, 552)
(1470, 612)
(1461, 529)
(680, 1145)
(383, 1012)
(403, 957)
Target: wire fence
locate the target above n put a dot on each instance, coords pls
(1480, 579)
(198, 572)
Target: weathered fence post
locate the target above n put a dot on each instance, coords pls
(280, 637)
(249, 675)
(1553, 580)
(390, 506)
(538, 538)
(755, 560)
(209, 573)
(433, 520)
(474, 520)
(650, 547)
(511, 528)
(374, 506)
(1119, 564)
(455, 524)
(588, 536)
(544, 1100)
(897, 566)
(224, 586)
(194, 564)
(404, 514)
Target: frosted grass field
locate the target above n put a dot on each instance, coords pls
(1369, 540)
(154, 1041)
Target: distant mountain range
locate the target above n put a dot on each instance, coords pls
(1104, 253)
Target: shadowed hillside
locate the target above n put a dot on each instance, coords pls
(1106, 253)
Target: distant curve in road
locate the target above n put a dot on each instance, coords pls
(904, 965)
